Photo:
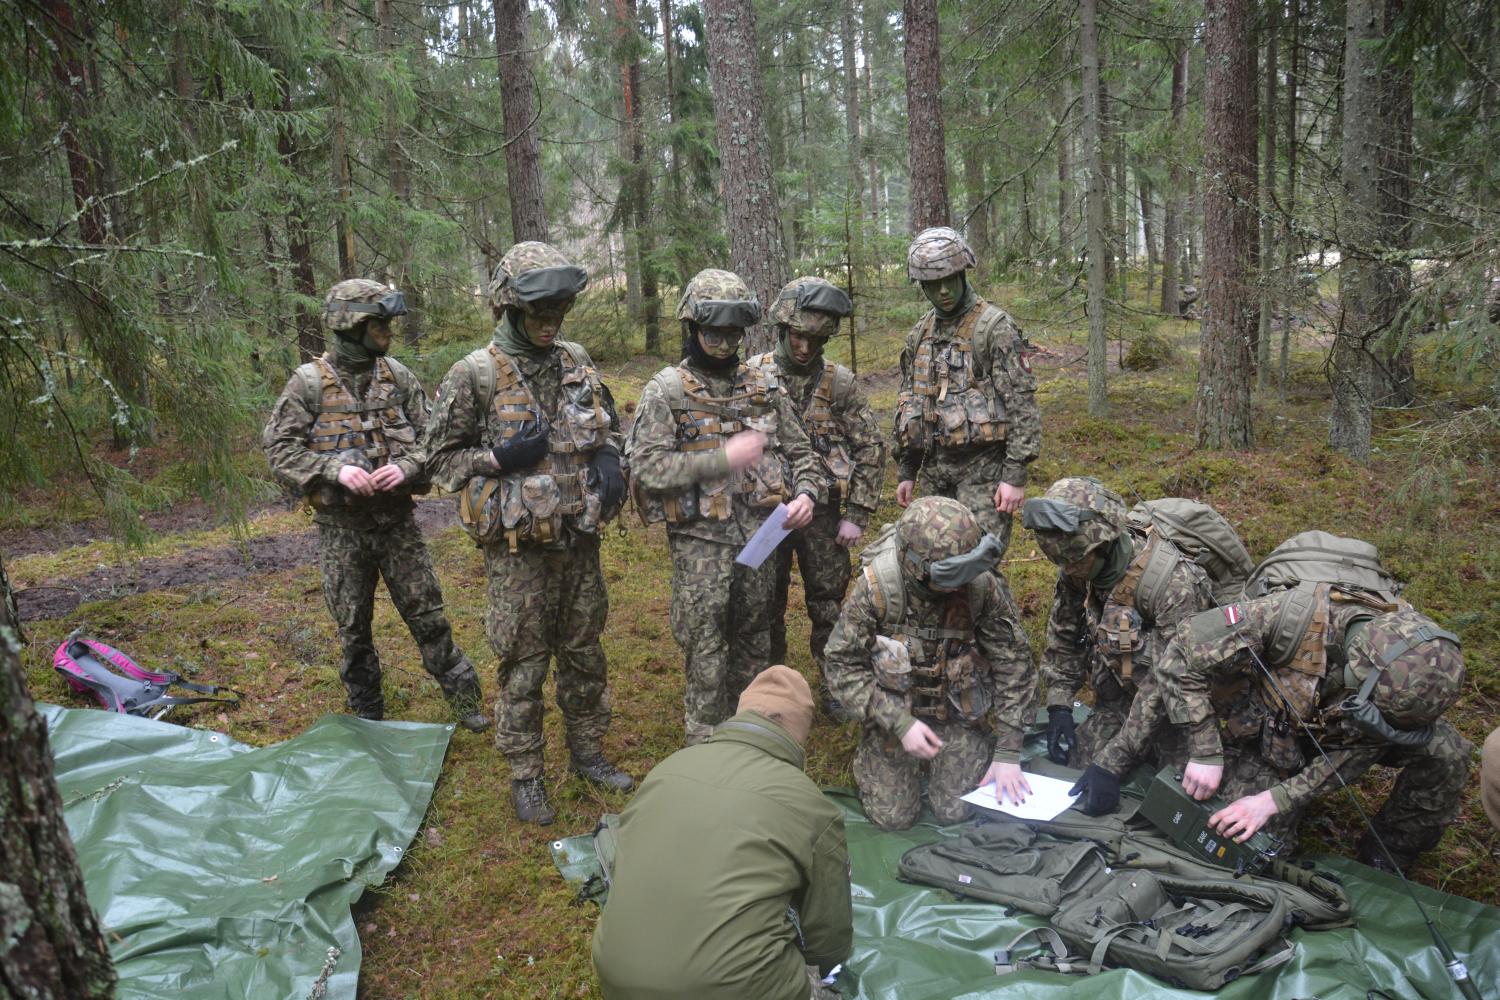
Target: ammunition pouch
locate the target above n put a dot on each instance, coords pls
(948, 404)
(1120, 639)
(1279, 747)
(525, 508)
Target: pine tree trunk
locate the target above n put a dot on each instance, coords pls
(412, 323)
(639, 182)
(299, 241)
(339, 153)
(523, 145)
(1268, 282)
(1171, 226)
(1223, 403)
(926, 151)
(1095, 196)
(751, 215)
(1148, 232)
(50, 945)
(1398, 374)
(867, 34)
(1291, 279)
(854, 177)
(1061, 111)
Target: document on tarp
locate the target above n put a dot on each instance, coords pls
(1048, 798)
(765, 539)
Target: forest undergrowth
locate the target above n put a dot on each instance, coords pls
(478, 909)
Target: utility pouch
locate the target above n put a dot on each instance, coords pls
(955, 420)
(1278, 746)
(911, 427)
(892, 665)
(968, 694)
(479, 509)
(582, 422)
(986, 416)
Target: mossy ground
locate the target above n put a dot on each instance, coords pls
(477, 908)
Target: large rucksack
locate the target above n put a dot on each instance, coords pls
(1201, 534)
(1321, 557)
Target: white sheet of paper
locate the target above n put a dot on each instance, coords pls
(1049, 796)
(765, 539)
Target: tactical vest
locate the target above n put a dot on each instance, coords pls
(703, 422)
(537, 504)
(376, 427)
(1119, 631)
(948, 404)
(831, 392)
(948, 679)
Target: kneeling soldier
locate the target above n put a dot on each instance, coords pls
(527, 431)
(1369, 679)
(929, 652)
(345, 432)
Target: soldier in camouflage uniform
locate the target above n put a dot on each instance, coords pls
(928, 651)
(715, 446)
(1107, 629)
(844, 433)
(345, 433)
(967, 423)
(1371, 681)
(527, 431)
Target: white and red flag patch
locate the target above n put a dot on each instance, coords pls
(1232, 614)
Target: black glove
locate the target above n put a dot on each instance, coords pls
(1100, 791)
(523, 450)
(605, 476)
(1062, 735)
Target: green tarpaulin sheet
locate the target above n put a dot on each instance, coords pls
(916, 943)
(223, 870)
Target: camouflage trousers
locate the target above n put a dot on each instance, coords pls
(1423, 803)
(352, 561)
(546, 603)
(1157, 746)
(720, 619)
(824, 565)
(890, 779)
(818, 990)
(971, 478)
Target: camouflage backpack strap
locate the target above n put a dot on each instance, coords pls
(481, 367)
(1297, 651)
(841, 386)
(1157, 563)
(310, 388)
(884, 576)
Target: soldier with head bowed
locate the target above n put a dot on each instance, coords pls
(846, 437)
(715, 446)
(967, 423)
(526, 431)
(1123, 585)
(928, 652)
(345, 432)
(1257, 681)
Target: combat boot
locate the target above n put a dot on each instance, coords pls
(1368, 852)
(476, 721)
(529, 797)
(596, 769)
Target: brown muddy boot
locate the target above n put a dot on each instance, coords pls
(594, 768)
(529, 797)
(1368, 852)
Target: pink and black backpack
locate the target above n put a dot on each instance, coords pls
(122, 685)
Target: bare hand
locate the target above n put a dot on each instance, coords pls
(1202, 780)
(799, 512)
(1243, 817)
(356, 480)
(744, 449)
(388, 477)
(1009, 781)
(904, 490)
(849, 533)
(921, 742)
(1008, 498)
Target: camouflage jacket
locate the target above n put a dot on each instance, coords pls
(999, 354)
(847, 661)
(464, 428)
(657, 464)
(1210, 681)
(285, 439)
(855, 425)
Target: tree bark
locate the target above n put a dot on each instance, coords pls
(926, 151)
(1223, 402)
(523, 146)
(1377, 116)
(638, 183)
(751, 216)
(1095, 196)
(1148, 231)
(1171, 226)
(344, 213)
(867, 34)
(412, 324)
(1268, 281)
(299, 240)
(1062, 103)
(50, 944)
(854, 186)
(1291, 279)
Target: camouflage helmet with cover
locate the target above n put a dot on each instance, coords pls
(933, 529)
(1421, 667)
(811, 306)
(936, 253)
(718, 298)
(338, 315)
(533, 272)
(1074, 517)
